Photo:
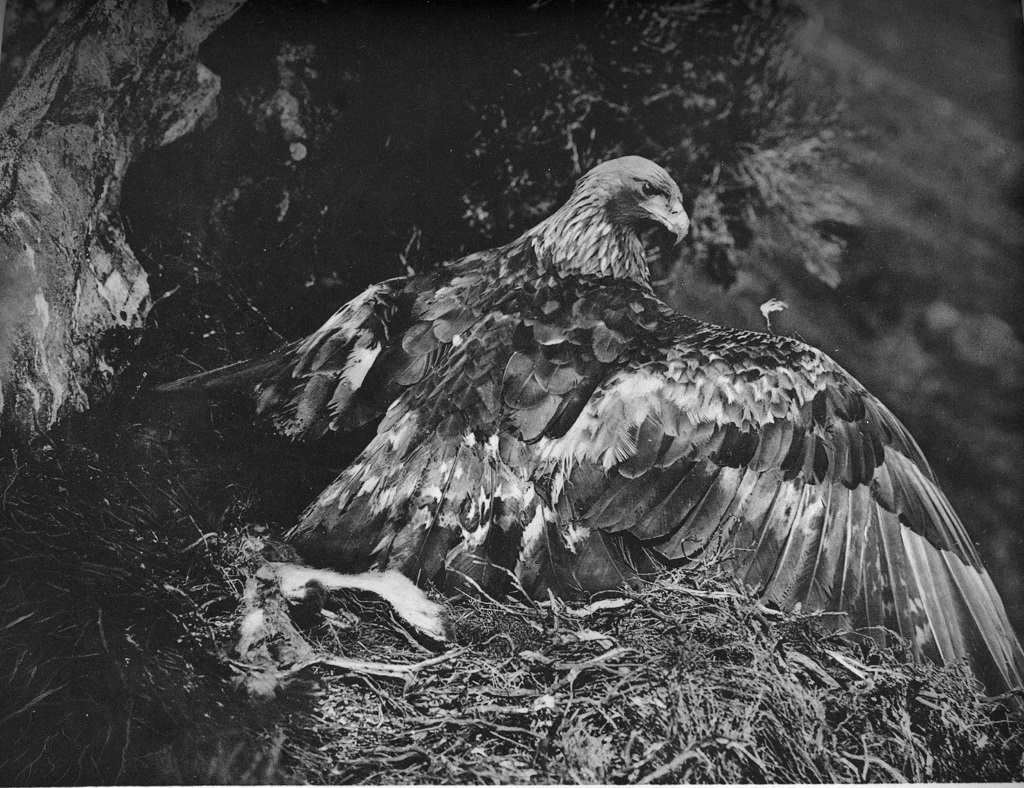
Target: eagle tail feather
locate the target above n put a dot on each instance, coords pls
(232, 377)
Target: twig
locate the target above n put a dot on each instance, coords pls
(382, 669)
(471, 721)
(202, 538)
(688, 754)
(399, 759)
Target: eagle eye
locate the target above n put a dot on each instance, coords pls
(649, 189)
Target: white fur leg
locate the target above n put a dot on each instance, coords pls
(400, 592)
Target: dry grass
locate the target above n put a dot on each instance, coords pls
(113, 609)
(123, 569)
(689, 681)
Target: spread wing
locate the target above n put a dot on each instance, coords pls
(315, 385)
(445, 491)
(574, 434)
(350, 370)
(438, 494)
(318, 385)
(701, 439)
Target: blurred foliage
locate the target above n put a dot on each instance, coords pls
(706, 89)
(935, 269)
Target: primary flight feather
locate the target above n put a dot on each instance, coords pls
(547, 422)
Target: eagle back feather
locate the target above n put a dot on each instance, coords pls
(762, 450)
(549, 425)
(571, 434)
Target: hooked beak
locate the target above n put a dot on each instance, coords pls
(673, 217)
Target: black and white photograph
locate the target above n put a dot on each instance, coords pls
(535, 392)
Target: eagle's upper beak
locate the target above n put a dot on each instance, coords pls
(672, 215)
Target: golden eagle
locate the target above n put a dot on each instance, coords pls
(547, 423)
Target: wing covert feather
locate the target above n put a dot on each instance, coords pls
(582, 434)
(701, 439)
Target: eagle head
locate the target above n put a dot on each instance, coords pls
(598, 230)
(637, 191)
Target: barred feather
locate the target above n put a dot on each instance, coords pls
(549, 424)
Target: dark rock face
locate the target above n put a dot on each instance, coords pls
(80, 113)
